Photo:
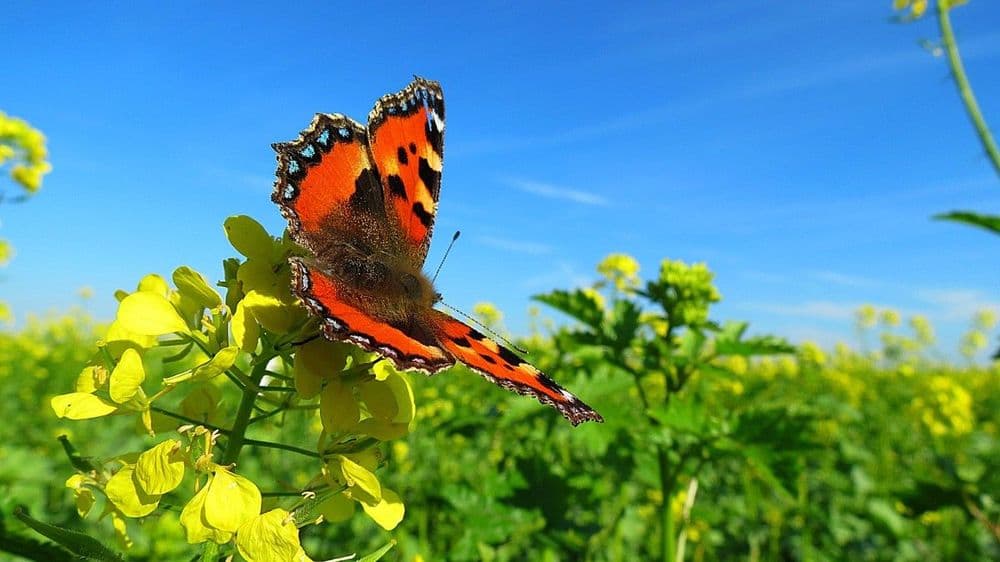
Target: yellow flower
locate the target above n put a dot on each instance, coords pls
(220, 507)
(621, 270)
(889, 317)
(812, 354)
(270, 537)
(865, 317)
(487, 313)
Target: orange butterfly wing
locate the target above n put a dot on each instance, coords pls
(407, 346)
(406, 136)
(501, 366)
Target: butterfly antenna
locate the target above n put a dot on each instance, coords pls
(484, 327)
(445, 256)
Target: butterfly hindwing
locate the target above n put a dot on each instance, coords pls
(325, 178)
(342, 320)
(501, 366)
(406, 138)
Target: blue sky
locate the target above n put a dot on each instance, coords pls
(799, 148)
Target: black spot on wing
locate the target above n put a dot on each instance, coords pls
(396, 186)
(430, 177)
(435, 136)
(426, 218)
(401, 155)
(488, 359)
(462, 342)
(367, 196)
(413, 148)
(476, 334)
(509, 356)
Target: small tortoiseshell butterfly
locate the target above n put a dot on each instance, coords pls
(361, 200)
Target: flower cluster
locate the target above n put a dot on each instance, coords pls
(176, 356)
(25, 146)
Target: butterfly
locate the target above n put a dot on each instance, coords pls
(361, 200)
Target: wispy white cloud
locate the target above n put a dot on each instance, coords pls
(957, 304)
(564, 274)
(516, 246)
(845, 279)
(825, 310)
(557, 192)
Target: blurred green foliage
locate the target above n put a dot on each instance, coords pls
(772, 453)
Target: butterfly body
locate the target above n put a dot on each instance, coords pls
(362, 201)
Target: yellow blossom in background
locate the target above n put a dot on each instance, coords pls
(945, 407)
(488, 314)
(621, 270)
(985, 320)
(922, 329)
(852, 387)
(812, 354)
(788, 367)
(766, 368)
(889, 317)
(25, 147)
(865, 317)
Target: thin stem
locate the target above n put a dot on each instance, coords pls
(964, 88)
(237, 435)
(184, 418)
(272, 445)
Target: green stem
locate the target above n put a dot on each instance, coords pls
(964, 88)
(184, 418)
(667, 525)
(272, 445)
(237, 435)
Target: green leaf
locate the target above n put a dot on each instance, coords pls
(378, 554)
(576, 304)
(623, 324)
(730, 342)
(988, 222)
(81, 544)
(191, 284)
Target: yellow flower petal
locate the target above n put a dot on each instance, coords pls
(315, 360)
(232, 500)
(128, 497)
(121, 531)
(160, 469)
(193, 285)
(248, 237)
(361, 482)
(269, 537)
(270, 312)
(338, 409)
(127, 377)
(214, 367)
(196, 526)
(246, 330)
(202, 403)
(149, 314)
(153, 283)
(383, 430)
(380, 399)
(388, 512)
(337, 508)
(260, 275)
(90, 379)
(81, 406)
